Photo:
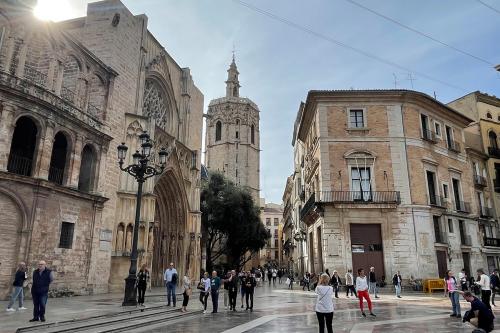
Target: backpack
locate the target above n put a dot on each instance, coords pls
(174, 278)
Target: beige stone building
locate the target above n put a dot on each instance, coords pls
(289, 242)
(70, 93)
(482, 141)
(271, 215)
(387, 183)
(232, 136)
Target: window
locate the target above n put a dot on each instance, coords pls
(275, 243)
(268, 221)
(356, 118)
(275, 233)
(361, 183)
(218, 131)
(437, 129)
(463, 231)
(431, 187)
(58, 158)
(450, 226)
(456, 194)
(437, 230)
(22, 149)
(236, 158)
(276, 222)
(237, 134)
(66, 239)
(449, 135)
(493, 140)
(252, 134)
(276, 255)
(445, 191)
(488, 115)
(424, 122)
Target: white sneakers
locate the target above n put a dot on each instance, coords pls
(23, 308)
(10, 310)
(204, 311)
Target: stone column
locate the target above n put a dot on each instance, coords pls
(22, 61)
(51, 74)
(100, 171)
(59, 78)
(44, 152)
(6, 132)
(76, 161)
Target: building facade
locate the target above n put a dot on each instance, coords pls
(233, 136)
(387, 183)
(482, 140)
(289, 243)
(70, 93)
(271, 216)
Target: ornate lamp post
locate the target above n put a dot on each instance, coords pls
(140, 170)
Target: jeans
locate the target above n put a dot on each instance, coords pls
(455, 303)
(336, 290)
(249, 293)
(226, 297)
(398, 290)
(141, 291)
(170, 292)
(232, 299)
(215, 300)
(204, 299)
(16, 293)
(321, 320)
(372, 288)
(353, 291)
(485, 298)
(39, 303)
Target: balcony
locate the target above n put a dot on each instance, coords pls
(442, 238)
(302, 194)
(480, 181)
(494, 152)
(495, 242)
(454, 146)
(462, 207)
(465, 240)
(19, 165)
(486, 212)
(430, 136)
(438, 201)
(308, 206)
(361, 197)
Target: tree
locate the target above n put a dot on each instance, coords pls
(231, 225)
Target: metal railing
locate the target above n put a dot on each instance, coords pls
(56, 175)
(19, 165)
(488, 241)
(392, 197)
(494, 151)
(462, 206)
(479, 180)
(442, 238)
(438, 201)
(429, 135)
(454, 146)
(486, 211)
(311, 202)
(35, 76)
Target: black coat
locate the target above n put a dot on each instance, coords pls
(395, 280)
(335, 281)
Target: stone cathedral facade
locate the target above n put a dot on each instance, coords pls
(232, 136)
(70, 93)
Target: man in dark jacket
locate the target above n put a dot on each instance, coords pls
(249, 289)
(396, 281)
(232, 288)
(495, 285)
(479, 315)
(42, 278)
(372, 282)
(214, 291)
(335, 283)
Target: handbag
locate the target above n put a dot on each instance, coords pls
(201, 286)
(189, 291)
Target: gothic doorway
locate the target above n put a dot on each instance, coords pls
(169, 230)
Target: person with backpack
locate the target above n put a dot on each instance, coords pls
(451, 289)
(170, 277)
(335, 283)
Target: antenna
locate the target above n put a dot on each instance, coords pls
(396, 82)
(435, 95)
(411, 79)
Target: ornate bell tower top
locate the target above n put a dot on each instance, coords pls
(232, 83)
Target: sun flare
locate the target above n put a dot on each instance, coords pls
(53, 10)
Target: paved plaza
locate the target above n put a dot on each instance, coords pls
(275, 310)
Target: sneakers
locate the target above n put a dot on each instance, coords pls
(10, 310)
(372, 314)
(204, 311)
(42, 319)
(23, 308)
(34, 319)
(459, 316)
(363, 314)
(453, 315)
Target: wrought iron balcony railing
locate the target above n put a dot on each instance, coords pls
(488, 241)
(308, 206)
(56, 175)
(480, 181)
(494, 151)
(360, 197)
(462, 206)
(486, 212)
(19, 165)
(438, 201)
(454, 146)
(429, 136)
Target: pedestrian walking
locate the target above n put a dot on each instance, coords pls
(170, 277)
(270, 275)
(479, 315)
(324, 303)
(462, 277)
(362, 290)
(290, 281)
(249, 290)
(242, 278)
(372, 286)
(18, 286)
(232, 288)
(280, 276)
(335, 282)
(214, 291)
(484, 283)
(142, 283)
(274, 275)
(451, 289)
(225, 289)
(204, 287)
(186, 291)
(495, 285)
(305, 281)
(42, 278)
(396, 281)
(349, 282)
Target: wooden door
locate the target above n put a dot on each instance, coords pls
(366, 248)
(442, 263)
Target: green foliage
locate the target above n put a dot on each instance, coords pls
(230, 222)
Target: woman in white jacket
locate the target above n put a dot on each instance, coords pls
(324, 304)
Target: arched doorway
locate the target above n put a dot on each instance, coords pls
(87, 170)
(10, 224)
(58, 159)
(22, 149)
(169, 232)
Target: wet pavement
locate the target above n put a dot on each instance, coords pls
(275, 310)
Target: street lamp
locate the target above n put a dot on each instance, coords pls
(140, 170)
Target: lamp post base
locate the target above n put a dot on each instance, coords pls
(130, 298)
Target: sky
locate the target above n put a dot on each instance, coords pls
(284, 48)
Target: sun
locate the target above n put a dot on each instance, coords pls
(53, 10)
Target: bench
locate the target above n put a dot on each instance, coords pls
(433, 284)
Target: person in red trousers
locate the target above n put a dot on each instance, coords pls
(362, 290)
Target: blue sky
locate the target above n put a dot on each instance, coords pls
(279, 64)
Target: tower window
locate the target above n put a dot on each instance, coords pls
(252, 134)
(66, 238)
(237, 134)
(218, 131)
